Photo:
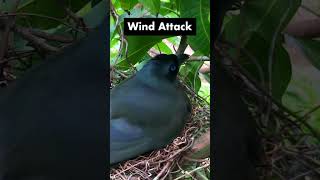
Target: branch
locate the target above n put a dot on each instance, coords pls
(5, 37)
(78, 20)
(26, 34)
(205, 68)
(199, 58)
(198, 151)
(305, 29)
(52, 37)
(120, 31)
(8, 24)
(182, 46)
(41, 16)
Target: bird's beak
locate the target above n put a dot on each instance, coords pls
(182, 58)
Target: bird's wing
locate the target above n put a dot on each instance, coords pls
(126, 141)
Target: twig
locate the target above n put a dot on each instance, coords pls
(41, 16)
(8, 24)
(182, 46)
(18, 56)
(306, 115)
(200, 144)
(25, 33)
(310, 10)
(190, 172)
(199, 58)
(53, 37)
(304, 29)
(5, 39)
(79, 20)
(118, 27)
(163, 170)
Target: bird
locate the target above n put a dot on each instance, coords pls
(148, 110)
(236, 143)
(53, 119)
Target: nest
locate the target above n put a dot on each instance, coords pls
(170, 161)
(291, 147)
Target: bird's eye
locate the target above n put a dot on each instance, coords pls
(173, 68)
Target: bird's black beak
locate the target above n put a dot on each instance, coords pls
(182, 58)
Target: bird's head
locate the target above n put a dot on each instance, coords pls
(164, 67)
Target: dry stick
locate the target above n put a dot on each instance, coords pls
(123, 40)
(25, 33)
(182, 46)
(78, 20)
(199, 58)
(200, 143)
(52, 37)
(118, 27)
(310, 10)
(41, 16)
(302, 175)
(75, 18)
(306, 115)
(163, 170)
(18, 56)
(5, 39)
(307, 165)
(304, 29)
(190, 172)
(9, 22)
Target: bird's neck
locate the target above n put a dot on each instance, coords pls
(159, 83)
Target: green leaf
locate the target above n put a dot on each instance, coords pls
(163, 48)
(167, 8)
(265, 17)
(303, 95)
(50, 8)
(152, 5)
(112, 27)
(25, 3)
(281, 66)
(8, 5)
(144, 60)
(178, 5)
(138, 47)
(128, 4)
(311, 48)
(189, 72)
(200, 10)
(258, 30)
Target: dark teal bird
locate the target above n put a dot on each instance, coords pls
(52, 120)
(237, 145)
(148, 110)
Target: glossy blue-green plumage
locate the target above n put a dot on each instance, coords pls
(148, 110)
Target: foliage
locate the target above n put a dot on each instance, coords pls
(263, 22)
(257, 31)
(57, 22)
(134, 50)
(284, 100)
